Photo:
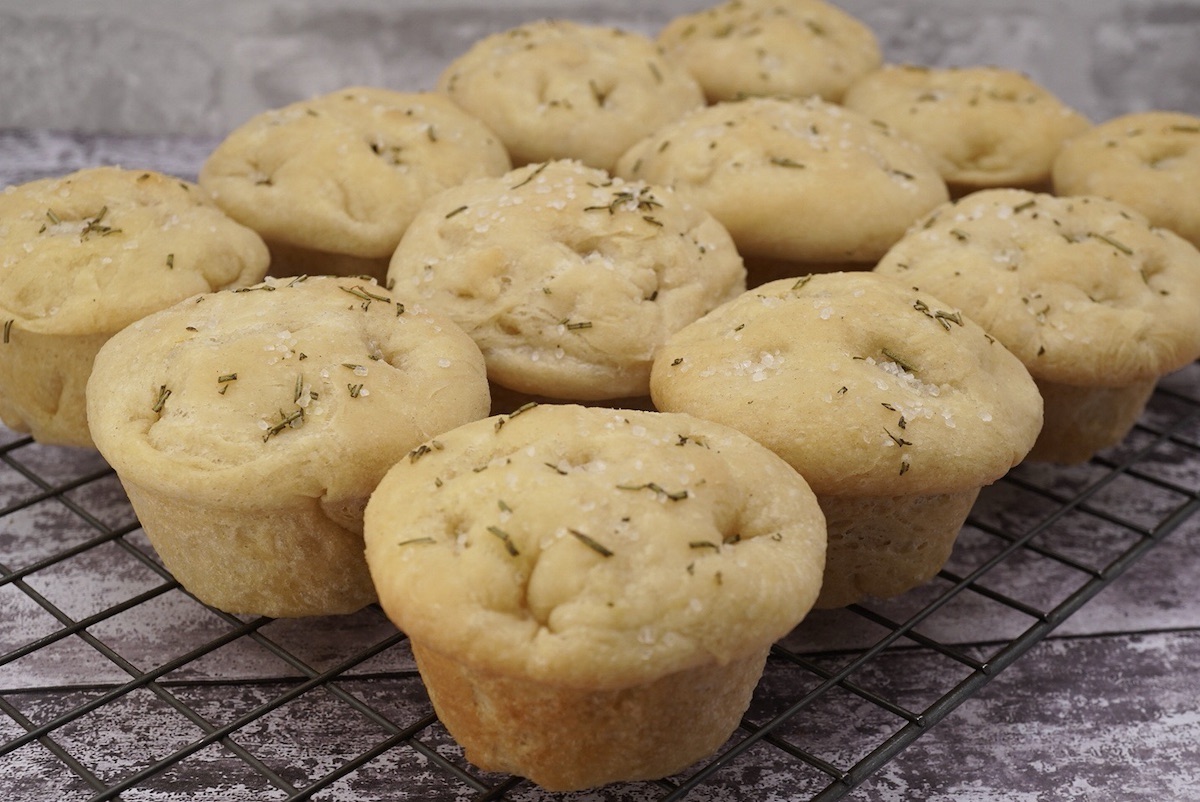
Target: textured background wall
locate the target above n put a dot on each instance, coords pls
(202, 66)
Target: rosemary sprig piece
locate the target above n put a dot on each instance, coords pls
(161, 399)
(509, 546)
(291, 419)
(532, 175)
(1120, 246)
(904, 366)
(528, 405)
(588, 541)
(677, 495)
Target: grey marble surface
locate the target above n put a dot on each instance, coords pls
(126, 669)
(174, 67)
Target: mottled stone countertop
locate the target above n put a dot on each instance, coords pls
(128, 682)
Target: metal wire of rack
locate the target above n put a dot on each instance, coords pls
(228, 707)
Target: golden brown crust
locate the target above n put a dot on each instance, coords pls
(780, 48)
(799, 181)
(568, 739)
(255, 423)
(863, 384)
(982, 126)
(568, 279)
(594, 549)
(1149, 161)
(1083, 290)
(883, 546)
(1083, 420)
(345, 172)
(557, 89)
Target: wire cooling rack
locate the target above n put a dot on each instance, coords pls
(117, 684)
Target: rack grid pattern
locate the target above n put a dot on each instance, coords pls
(117, 684)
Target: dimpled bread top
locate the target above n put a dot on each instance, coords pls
(863, 384)
(556, 89)
(1150, 161)
(345, 172)
(95, 250)
(292, 388)
(790, 48)
(982, 126)
(1083, 290)
(567, 278)
(594, 548)
(794, 180)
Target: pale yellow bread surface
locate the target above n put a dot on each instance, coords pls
(1083, 420)
(982, 126)
(884, 546)
(1147, 160)
(558, 89)
(1083, 290)
(249, 428)
(863, 384)
(782, 48)
(86, 254)
(793, 180)
(594, 549)
(568, 279)
(568, 739)
(342, 174)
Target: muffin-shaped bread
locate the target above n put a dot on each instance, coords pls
(1149, 161)
(983, 127)
(556, 89)
(1096, 302)
(567, 278)
(84, 255)
(780, 48)
(801, 182)
(248, 428)
(893, 405)
(591, 594)
(332, 182)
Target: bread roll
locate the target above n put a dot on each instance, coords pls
(567, 278)
(893, 405)
(557, 89)
(591, 594)
(1097, 303)
(86, 254)
(249, 427)
(332, 182)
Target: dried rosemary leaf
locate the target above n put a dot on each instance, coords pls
(588, 541)
(509, 546)
(163, 395)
